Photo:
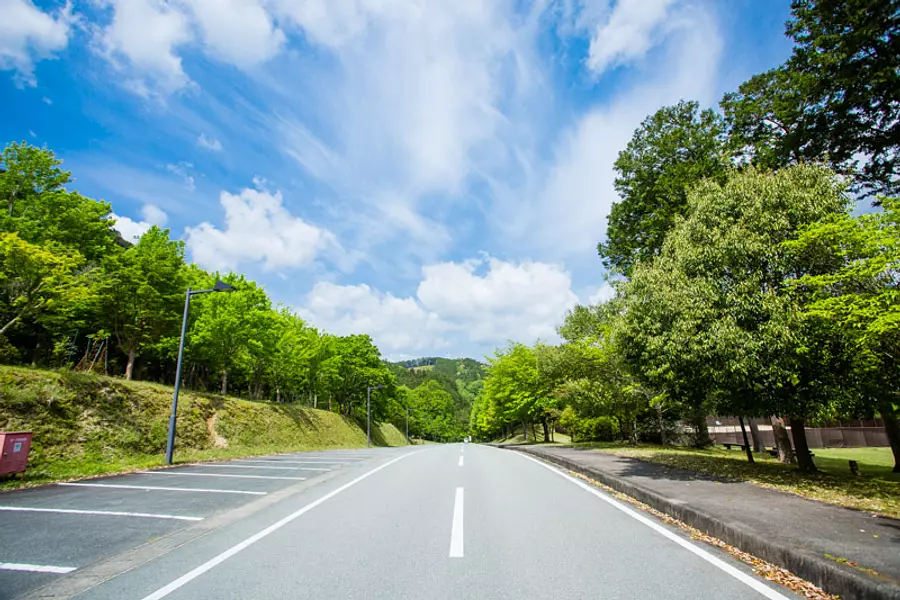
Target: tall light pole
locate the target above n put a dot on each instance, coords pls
(369, 413)
(407, 426)
(219, 287)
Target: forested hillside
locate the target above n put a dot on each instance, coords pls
(441, 393)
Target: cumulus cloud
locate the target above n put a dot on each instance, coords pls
(210, 143)
(239, 32)
(146, 35)
(472, 304)
(627, 34)
(258, 228)
(132, 230)
(28, 34)
(604, 293)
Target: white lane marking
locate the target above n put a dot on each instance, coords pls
(108, 513)
(220, 475)
(216, 465)
(159, 488)
(217, 560)
(461, 460)
(34, 568)
(462, 449)
(294, 462)
(456, 530)
(687, 545)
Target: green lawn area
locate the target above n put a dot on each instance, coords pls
(559, 438)
(876, 489)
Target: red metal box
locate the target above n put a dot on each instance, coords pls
(15, 446)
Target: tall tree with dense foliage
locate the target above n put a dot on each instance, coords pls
(856, 290)
(670, 152)
(835, 99)
(143, 292)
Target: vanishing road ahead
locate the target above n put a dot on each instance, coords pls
(454, 521)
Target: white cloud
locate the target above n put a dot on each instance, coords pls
(181, 170)
(210, 143)
(456, 305)
(132, 230)
(394, 323)
(154, 215)
(47, 101)
(603, 294)
(258, 228)
(628, 33)
(239, 32)
(28, 34)
(147, 33)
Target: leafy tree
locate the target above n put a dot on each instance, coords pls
(143, 292)
(835, 99)
(855, 291)
(354, 365)
(432, 413)
(670, 152)
(33, 279)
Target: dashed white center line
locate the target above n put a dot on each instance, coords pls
(34, 568)
(456, 531)
(107, 513)
(190, 473)
(461, 460)
(121, 486)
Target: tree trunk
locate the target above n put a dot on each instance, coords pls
(892, 428)
(129, 366)
(758, 445)
(224, 390)
(524, 430)
(277, 395)
(804, 459)
(746, 441)
(546, 430)
(533, 432)
(782, 440)
(662, 426)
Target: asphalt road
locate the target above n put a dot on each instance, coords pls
(454, 521)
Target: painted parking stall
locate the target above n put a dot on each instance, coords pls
(70, 526)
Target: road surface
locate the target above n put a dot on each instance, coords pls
(453, 521)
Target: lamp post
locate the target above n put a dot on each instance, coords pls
(407, 426)
(369, 413)
(219, 287)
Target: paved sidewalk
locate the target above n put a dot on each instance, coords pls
(784, 529)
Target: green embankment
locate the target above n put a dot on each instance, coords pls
(87, 425)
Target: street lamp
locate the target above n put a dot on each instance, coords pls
(407, 426)
(369, 413)
(219, 287)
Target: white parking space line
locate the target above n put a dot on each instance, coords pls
(120, 486)
(461, 460)
(231, 475)
(217, 465)
(688, 545)
(219, 559)
(294, 462)
(107, 513)
(34, 568)
(456, 530)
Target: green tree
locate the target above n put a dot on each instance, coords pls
(835, 99)
(856, 290)
(143, 292)
(355, 364)
(670, 152)
(432, 412)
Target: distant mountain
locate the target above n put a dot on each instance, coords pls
(463, 378)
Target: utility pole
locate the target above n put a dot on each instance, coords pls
(369, 413)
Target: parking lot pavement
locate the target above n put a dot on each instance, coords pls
(52, 531)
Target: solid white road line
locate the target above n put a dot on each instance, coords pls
(686, 544)
(219, 559)
(294, 462)
(120, 486)
(461, 460)
(217, 465)
(220, 475)
(107, 513)
(34, 568)
(456, 530)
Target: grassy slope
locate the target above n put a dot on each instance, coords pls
(88, 425)
(876, 489)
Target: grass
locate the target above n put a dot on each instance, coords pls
(559, 438)
(876, 489)
(86, 425)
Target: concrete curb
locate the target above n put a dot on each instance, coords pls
(832, 577)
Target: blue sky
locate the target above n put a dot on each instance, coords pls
(436, 173)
